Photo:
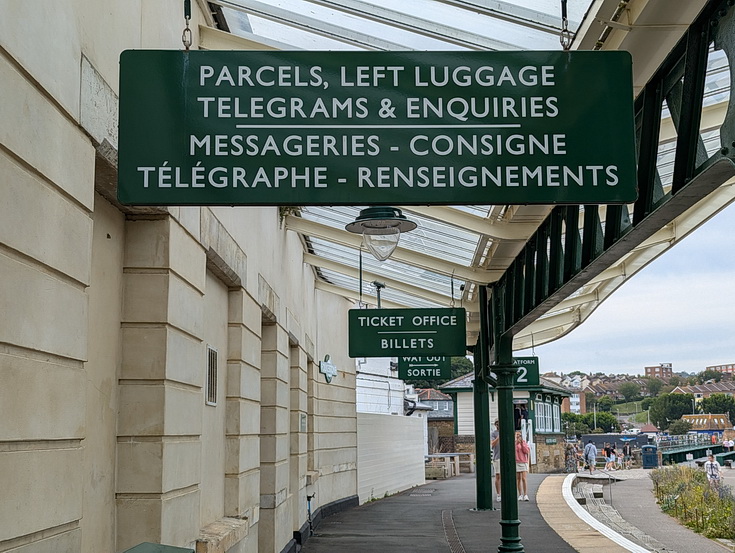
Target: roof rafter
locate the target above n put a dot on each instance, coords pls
(416, 259)
(393, 284)
(311, 24)
(425, 27)
(354, 296)
(512, 13)
(500, 230)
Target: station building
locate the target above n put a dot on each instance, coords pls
(161, 365)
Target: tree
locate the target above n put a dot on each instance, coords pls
(605, 403)
(654, 386)
(646, 404)
(629, 390)
(719, 403)
(669, 407)
(709, 374)
(606, 421)
(589, 399)
(574, 424)
(677, 428)
(459, 366)
(675, 381)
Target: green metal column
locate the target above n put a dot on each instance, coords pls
(483, 451)
(510, 540)
(481, 397)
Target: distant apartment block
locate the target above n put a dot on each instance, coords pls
(729, 369)
(662, 370)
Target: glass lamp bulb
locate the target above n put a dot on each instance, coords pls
(381, 242)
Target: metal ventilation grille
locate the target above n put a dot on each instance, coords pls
(211, 386)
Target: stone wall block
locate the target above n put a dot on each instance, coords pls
(49, 478)
(39, 395)
(243, 345)
(61, 151)
(242, 417)
(61, 232)
(41, 301)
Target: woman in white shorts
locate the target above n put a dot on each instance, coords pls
(522, 451)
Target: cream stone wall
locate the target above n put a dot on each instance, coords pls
(105, 437)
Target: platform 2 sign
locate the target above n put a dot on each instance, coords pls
(425, 368)
(527, 374)
(402, 332)
(375, 128)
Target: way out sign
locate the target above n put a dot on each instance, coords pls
(425, 368)
(375, 128)
(407, 332)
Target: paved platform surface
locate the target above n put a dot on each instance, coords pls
(412, 521)
(636, 503)
(438, 518)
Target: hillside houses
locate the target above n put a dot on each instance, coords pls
(598, 384)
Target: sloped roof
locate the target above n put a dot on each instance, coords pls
(461, 382)
(709, 388)
(709, 421)
(464, 382)
(430, 394)
(649, 428)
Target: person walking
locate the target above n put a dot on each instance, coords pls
(627, 456)
(713, 471)
(590, 455)
(570, 459)
(495, 445)
(522, 451)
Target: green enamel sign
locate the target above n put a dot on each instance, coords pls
(375, 128)
(527, 373)
(403, 332)
(425, 368)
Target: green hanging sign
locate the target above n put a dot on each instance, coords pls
(403, 332)
(527, 374)
(375, 128)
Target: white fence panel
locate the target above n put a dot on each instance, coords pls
(390, 454)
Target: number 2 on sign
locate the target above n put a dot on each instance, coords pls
(521, 378)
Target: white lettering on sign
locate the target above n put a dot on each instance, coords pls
(406, 343)
(528, 75)
(492, 125)
(521, 375)
(434, 320)
(380, 321)
(423, 372)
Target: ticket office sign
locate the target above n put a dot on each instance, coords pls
(425, 368)
(403, 332)
(375, 128)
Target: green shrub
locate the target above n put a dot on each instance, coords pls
(684, 493)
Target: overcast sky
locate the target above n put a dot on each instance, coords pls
(680, 309)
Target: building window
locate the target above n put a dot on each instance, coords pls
(557, 419)
(211, 384)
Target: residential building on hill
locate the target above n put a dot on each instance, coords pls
(701, 391)
(442, 403)
(662, 370)
(725, 369)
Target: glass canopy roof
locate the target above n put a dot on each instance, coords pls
(455, 248)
